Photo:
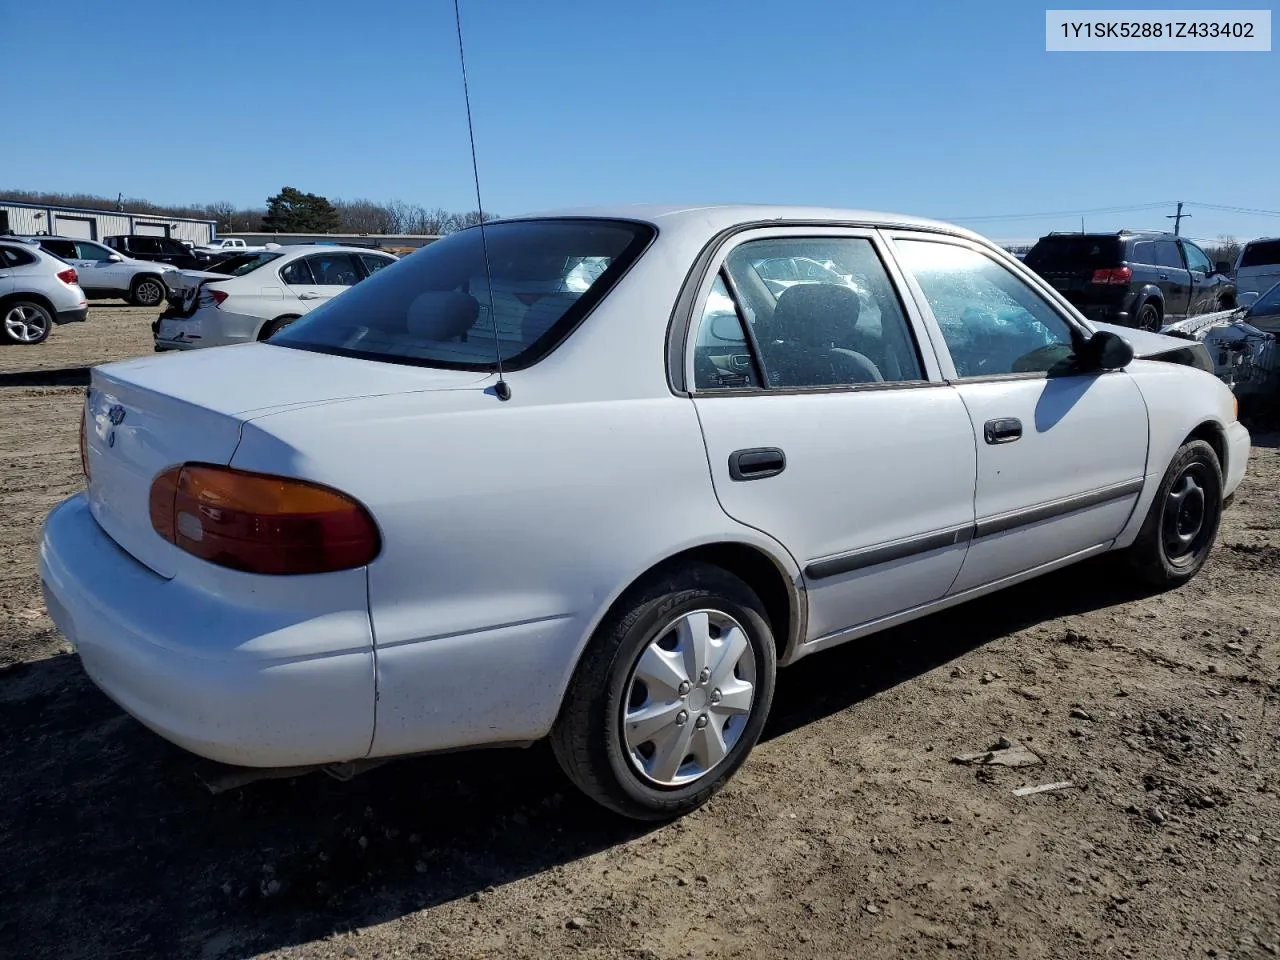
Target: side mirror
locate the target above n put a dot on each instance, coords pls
(115, 258)
(1106, 351)
(1246, 300)
(1222, 267)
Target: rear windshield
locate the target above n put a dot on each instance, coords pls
(1264, 254)
(1082, 252)
(432, 308)
(241, 264)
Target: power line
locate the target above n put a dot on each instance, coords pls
(1062, 213)
(1231, 209)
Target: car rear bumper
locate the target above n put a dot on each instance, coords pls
(76, 315)
(223, 681)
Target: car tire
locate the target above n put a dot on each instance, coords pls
(1181, 525)
(272, 327)
(147, 291)
(690, 651)
(1148, 317)
(25, 322)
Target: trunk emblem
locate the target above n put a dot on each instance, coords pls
(116, 415)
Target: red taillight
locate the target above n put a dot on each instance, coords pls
(1113, 275)
(260, 523)
(218, 296)
(69, 275)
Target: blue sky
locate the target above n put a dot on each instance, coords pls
(946, 109)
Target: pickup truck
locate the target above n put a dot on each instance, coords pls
(217, 249)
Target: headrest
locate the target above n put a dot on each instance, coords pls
(441, 314)
(816, 314)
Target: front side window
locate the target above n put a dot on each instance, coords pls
(144, 245)
(993, 322)
(434, 308)
(1196, 259)
(92, 251)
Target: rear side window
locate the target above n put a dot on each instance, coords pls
(297, 274)
(433, 308)
(1074, 253)
(1167, 255)
(1144, 251)
(1263, 254)
(15, 257)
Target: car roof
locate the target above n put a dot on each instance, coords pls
(286, 248)
(723, 216)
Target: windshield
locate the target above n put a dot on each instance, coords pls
(433, 308)
(1081, 252)
(1262, 254)
(239, 266)
(1268, 304)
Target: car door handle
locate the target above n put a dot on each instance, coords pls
(1005, 430)
(309, 295)
(756, 463)
(1164, 276)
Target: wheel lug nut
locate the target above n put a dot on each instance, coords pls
(682, 718)
(704, 676)
(685, 687)
(715, 695)
(701, 721)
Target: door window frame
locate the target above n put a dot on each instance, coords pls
(687, 317)
(1058, 305)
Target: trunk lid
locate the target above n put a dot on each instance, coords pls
(145, 415)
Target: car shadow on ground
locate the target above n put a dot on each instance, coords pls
(111, 845)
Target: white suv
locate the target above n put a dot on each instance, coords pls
(261, 296)
(108, 273)
(37, 290)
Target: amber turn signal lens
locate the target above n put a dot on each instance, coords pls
(261, 523)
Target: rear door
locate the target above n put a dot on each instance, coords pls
(1061, 456)
(1174, 280)
(829, 427)
(316, 278)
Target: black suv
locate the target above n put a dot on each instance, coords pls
(1133, 278)
(156, 249)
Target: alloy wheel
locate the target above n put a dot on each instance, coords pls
(26, 323)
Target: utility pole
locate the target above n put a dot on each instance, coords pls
(1177, 219)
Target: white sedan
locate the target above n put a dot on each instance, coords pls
(360, 540)
(261, 296)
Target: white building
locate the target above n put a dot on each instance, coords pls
(31, 218)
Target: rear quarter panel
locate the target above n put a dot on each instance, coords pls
(508, 530)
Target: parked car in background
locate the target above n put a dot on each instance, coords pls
(1133, 278)
(1258, 265)
(37, 291)
(364, 538)
(155, 249)
(263, 294)
(106, 273)
(219, 249)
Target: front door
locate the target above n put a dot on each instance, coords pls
(1061, 454)
(1204, 290)
(1174, 280)
(829, 427)
(98, 272)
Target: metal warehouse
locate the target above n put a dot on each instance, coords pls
(30, 218)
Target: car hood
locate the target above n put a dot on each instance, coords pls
(1144, 342)
(250, 380)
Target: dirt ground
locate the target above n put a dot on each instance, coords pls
(113, 331)
(850, 831)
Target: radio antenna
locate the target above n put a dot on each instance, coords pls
(501, 388)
